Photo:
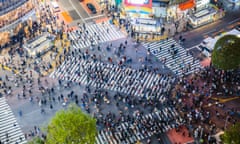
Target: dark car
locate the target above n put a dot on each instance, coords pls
(238, 27)
(92, 8)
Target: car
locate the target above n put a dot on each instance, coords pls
(238, 27)
(92, 8)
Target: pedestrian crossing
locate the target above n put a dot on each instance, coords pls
(114, 78)
(94, 34)
(10, 131)
(141, 127)
(174, 56)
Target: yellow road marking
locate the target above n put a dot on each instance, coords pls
(223, 100)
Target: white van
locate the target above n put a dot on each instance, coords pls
(55, 7)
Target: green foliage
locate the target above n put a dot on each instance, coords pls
(232, 135)
(226, 53)
(71, 126)
(36, 140)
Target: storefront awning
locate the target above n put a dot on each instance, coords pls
(187, 5)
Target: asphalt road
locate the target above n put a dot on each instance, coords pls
(65, 5)
(195, 36)
(74, 5)
(79, 8)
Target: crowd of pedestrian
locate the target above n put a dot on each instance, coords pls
(201, 112)
(97, 97)
(190, 98)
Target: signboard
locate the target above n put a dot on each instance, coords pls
(139, 3)
(187, 5)
(117, 2)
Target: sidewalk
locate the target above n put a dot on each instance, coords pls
(4, 55)
(182, 136)
(60, 45)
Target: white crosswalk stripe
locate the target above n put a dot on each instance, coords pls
(129, 132)
(174, 56)
(94, 34)
(114, 78)
(10, 131)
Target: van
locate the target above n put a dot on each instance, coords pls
(55, 7)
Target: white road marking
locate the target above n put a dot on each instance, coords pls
(77, 10)
(208, 32)
(196, 46)
(234, 21)
(92, 17)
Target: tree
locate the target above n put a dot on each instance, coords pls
(226, 53)
(71, 126)
(232, 135)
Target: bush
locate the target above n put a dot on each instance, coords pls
(226, 53)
